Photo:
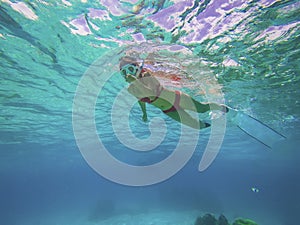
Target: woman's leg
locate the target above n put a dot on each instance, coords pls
(186, 119)
(188, 103)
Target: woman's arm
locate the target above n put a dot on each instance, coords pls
(143, 107)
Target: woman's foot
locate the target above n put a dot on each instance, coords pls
(204, 125)
(224, 109)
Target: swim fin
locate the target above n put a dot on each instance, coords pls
(256, 129)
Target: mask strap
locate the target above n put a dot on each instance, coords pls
(140, 69)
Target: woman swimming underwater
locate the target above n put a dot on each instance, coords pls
(147, 89)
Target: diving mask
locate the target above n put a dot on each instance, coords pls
(131, 69)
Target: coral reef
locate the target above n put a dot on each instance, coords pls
(209, 219)
(222, 220)
(244, 222)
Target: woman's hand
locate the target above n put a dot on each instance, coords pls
(145, 118)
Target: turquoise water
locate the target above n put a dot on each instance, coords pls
(249, 52)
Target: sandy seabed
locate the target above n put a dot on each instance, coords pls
(153, 218)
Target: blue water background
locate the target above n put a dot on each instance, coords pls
(44, 178)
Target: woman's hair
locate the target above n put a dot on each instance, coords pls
(127, 60)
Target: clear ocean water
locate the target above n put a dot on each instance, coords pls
(251, 50)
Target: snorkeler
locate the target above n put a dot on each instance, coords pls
(147, 89)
